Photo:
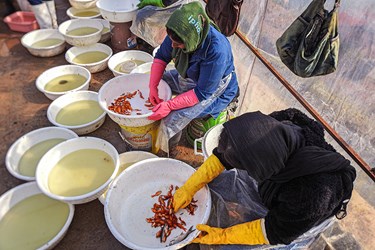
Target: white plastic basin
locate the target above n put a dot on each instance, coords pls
(83, 4)
(106, 32)
(62, 70)
(143, 68)
(126, 159)
(129, 203)
(18, 194)
(83, 40)
(128, 55)
(92, 67)
(34, 36)
(209, 141)
(113, 88)
(52, 157)
(90, 13)
(57, 105)
(25, 142)
(118, 11)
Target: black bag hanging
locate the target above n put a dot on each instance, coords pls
(225, 14)
(310, 45)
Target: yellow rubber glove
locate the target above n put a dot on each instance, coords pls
(210, 169)
(249, 233)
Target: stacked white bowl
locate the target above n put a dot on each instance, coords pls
(84, 33)
(44, 42)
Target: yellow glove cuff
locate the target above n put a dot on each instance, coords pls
(208, 171)
(211, 168)
(249, 233)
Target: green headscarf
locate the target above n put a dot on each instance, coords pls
(191, 24)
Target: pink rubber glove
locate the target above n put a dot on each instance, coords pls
(181, 101)
(157, 70)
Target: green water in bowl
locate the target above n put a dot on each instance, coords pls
(32, 222)
(65, 83)
(47, 43)
(84, 31)
(89, 168)
(86, 13)
(90, 57)
(79, 113)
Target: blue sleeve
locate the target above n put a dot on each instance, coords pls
(212, 70)
(165, 51)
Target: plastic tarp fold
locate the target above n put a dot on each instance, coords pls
(345, 98)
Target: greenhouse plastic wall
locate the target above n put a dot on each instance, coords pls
(345, 98)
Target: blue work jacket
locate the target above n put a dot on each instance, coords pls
(210, 63)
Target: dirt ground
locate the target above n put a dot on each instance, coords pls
(23, 109)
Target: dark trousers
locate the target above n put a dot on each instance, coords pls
(36, 2)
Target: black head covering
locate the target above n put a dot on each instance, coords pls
(259, 142)
(307, 161)
(312, 130)
(274, 152)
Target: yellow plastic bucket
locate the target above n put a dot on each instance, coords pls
(141, 138)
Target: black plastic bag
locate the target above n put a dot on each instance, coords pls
(310, 45)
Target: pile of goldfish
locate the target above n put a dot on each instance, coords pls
(121, 105)
(164, 215)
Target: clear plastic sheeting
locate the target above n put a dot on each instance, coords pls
(345, 98)
(149, 23)
(239, 202)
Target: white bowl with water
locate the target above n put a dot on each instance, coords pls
(118, 11)
(31, 219)
(78, 111)
(112, 89)
(90, 13)
(124, 62)
(78, 170)
(24, 154)
(81, 32)
(93, 57)
(83, 4)
(44, 42)
(60, 80)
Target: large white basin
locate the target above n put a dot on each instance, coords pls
(118, 11)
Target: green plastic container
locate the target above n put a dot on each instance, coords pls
(198, 127)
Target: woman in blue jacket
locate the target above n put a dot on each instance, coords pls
(204, 77)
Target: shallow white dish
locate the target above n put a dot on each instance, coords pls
(128, 158)
(129, 203)
(128, 55)
(143, 68)
(113, 88)
(170, 65)
(52, 157)
(83, 4)
(57, 71)
(55, 107)
(34, 36)
(106, 32)
(92, 67)
(17, 194)
(74, 13)
(25, 142)
(209, 141)
(84, 40)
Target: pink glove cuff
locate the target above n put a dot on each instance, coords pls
(157, 70)
(183, 100)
